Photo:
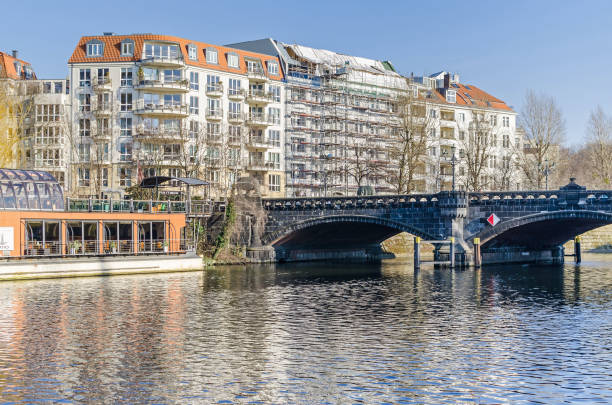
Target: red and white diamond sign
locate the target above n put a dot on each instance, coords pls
(493, 219)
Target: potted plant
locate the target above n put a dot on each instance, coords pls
(75, 247)
(113, 246)
(165, 245)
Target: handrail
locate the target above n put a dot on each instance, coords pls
(195, 207)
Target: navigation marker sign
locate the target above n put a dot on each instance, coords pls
(493, 219)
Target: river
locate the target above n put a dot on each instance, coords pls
(313, 333)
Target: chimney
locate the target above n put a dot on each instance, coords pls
(15, 53)
(108, 34)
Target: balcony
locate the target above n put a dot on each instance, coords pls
(258, 97)
(102, 84)
(176, 86)
(164, 61)
(102, 109)
(214, 139)
(256, 75)
(258, 142)
(214, 89)
(214, 114)
(260, 165)
(447, 115)
(159, 135)
(101, 134)
(258, 120)
(167, 110)
(234, 141)
(235, 117)
(236, 94)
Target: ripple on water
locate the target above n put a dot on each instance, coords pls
(312, 333)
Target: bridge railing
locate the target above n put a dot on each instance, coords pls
(584, 196)
(352, 202)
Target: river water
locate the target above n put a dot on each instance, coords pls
(313, 333)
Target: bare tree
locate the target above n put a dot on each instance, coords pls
(360, 165)
(599, 146)
(16, 119)
(410, 148)
(477, 147)
(544, 127)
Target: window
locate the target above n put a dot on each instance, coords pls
(172, 151)
(172, 75)
(234, 86)
(127, 48)
(462, 135)
(125, 151)
(194, 80)
(95, 49)
(273, 68)
(192, 50)
(85, 77)
(433, 113)
(211, 55)
(83, 152)
(506, 122)
(213, 128)
(84, 102)
(125, 177)
(214, 106)
(47, 112)
(172, 99)
(274, 182)
(104, 176)
(194, 105)
(234, 134)
(125, 125)
(48, 158)
(126, 76)
(493, 120)
(274, 159)
(58, 87)
(276, 93)
(83, 175)
(506, 141)
(234, 110)
(274, 137)
(254, 66)
(461, 117)
(274, 115)
(451, 96)
(194, 129)
(103, 152)
(233, 60)
(126, 101)
(212, 83)
(48, 135)
(162, 51)
(46, 87)
(84, 127)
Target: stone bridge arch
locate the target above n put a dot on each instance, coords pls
(334, 232)
(542, 230)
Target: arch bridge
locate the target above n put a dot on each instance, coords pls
(532, 225)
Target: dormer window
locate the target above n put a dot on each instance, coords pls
(451, 96)
(192, 50)
(212, 56)
(127, 47)
(18, 68)
(95, 48)
(273, 68)
(233, 60)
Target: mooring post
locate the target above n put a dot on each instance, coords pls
(577, 252)
(477, 258)
(452, 252)
(417, 253)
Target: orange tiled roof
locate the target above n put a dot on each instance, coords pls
(7, 67)
(112, 52)
(470, 95)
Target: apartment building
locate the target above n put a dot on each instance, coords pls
(39, 124)
(147, 105)
(340, 119)
(459, 113)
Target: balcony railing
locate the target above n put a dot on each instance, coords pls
(236, 94)
(100, 84)
(260, 165)
(258, 119)
(258, 142)
(170, 85)
(235, 117)
(214, 113)
(258, 96)
(166, 61)
(161, 109)
(214, 89)
(256, 74)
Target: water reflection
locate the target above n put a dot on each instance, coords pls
(312, 333)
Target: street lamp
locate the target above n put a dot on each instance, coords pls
(547, 170)
(453, 161)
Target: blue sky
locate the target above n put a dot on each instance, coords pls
(560, 48)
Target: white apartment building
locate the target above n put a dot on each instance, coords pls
(44, 103)
(146, 105)
(453, 107)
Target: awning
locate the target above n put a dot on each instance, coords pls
(155, 181)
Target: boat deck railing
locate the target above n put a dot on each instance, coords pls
(192, 208)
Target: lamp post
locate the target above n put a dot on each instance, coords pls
(453, 161)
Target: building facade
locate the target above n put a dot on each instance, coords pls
(147, 105)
